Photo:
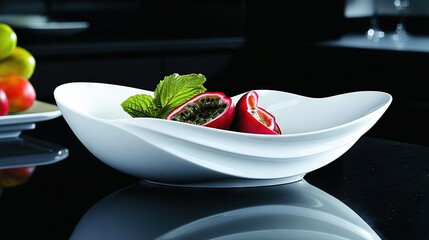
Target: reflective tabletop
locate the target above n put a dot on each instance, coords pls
(379, 189)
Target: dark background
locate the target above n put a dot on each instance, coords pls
(237, 44)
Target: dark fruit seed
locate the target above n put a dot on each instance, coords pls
(193, 108)
(202, 111)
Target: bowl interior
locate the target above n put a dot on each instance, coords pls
(299, 114)
(294, 113)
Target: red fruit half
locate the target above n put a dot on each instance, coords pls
(251, 118)
(4, 103)
(210, 109)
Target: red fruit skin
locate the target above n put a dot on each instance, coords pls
(11, 177)
(246, 122)
(223, 121)
(4, 103)
(19, 91)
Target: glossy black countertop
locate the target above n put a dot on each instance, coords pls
(378, 185)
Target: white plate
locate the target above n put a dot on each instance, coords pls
(13, 124)
(28, 151)
(316, 131)
(41, 24)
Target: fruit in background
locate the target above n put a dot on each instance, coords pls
(210, 109)
(20, 62)
(4, 103)
(8, 40)
(11, 177)
(251, 118)
(19, 91)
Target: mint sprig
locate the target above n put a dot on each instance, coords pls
(170, 92)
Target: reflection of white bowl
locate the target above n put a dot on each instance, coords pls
(290, 211)
(316, 131)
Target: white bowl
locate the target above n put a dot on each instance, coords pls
(290, 211)
(316, 131)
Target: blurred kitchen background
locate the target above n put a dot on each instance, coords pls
(312, 48)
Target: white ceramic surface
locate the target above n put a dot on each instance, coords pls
(296, 211)
(41, 24)
(11, 125)
(316, 131)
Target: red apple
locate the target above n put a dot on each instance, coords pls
(10, 177)
(4, 103)
(19, 91)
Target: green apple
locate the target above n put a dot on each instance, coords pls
(8, 40)
(20, 62)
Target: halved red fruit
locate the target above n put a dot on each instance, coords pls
(251, 118)
(210, 109)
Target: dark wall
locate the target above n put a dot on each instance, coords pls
(276, 36)
(270, 56)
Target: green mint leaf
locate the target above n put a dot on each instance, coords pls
(175, 90)
(171, 92)
(140, 105)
